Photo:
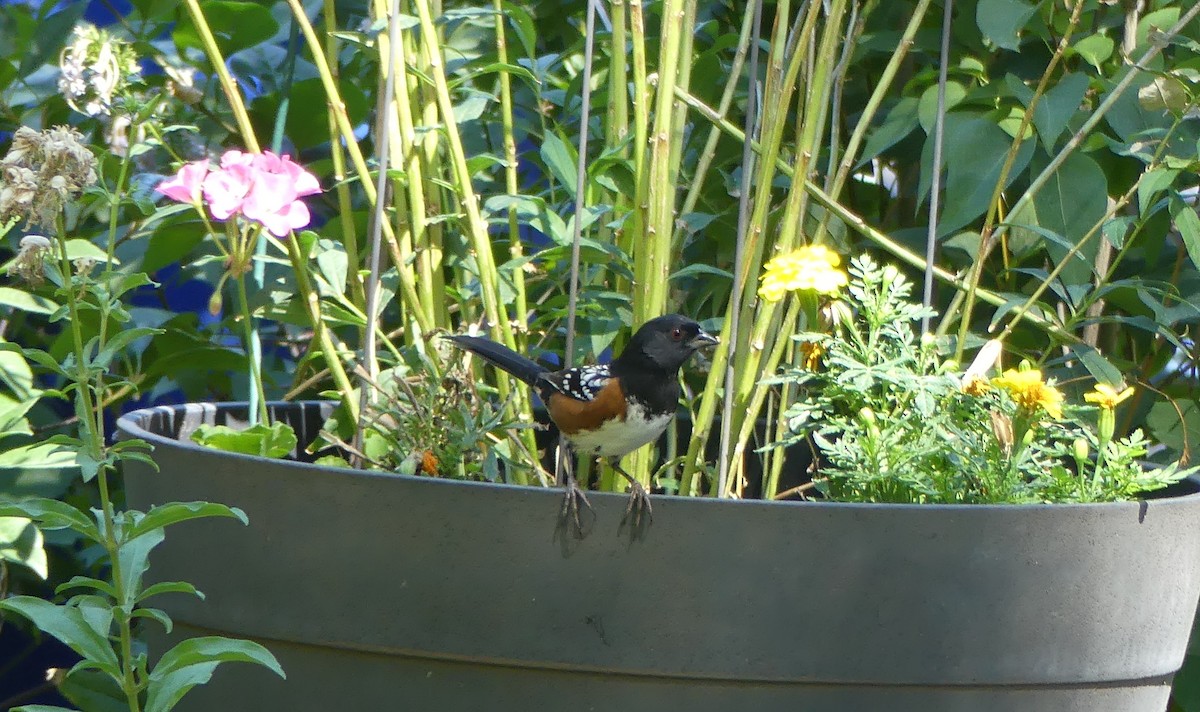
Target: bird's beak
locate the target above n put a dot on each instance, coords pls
(704, 339)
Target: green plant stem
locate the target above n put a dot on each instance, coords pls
(228, 85)
(91, 422)
(239, 280)
(329, 350)
(337, 155)
(511, 181)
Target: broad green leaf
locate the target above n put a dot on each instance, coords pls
(85, 632)
(1178, 429)
(42, 708)
(164, 515)
(134, 555)
(93, 691)
(927, 106)
(20, 299)
(170, 587)
(1057, 106)
(975, 150)
(192, 663)
(51, 514)
(902, 120)
(275, 440)
(1095, 49)
(1153, 183)
(15, 371)
(1188, 225)
(1100, 368)
(38, 455)
(21, 543)
(84, 249)
(157, 615)
(560, 161)
(1069, 204)
(1001, 21)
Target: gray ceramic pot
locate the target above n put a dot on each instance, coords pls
(383, 592)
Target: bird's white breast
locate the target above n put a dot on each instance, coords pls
(618, 437)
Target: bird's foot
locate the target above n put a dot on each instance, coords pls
(638, 506)
(568, 516)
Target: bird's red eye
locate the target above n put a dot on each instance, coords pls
(676, 334)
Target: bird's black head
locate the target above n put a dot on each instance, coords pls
(666, 342)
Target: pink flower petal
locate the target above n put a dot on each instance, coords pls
(185, 187)
(225, 190)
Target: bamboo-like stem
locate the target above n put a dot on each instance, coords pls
(511, 180)
(337, 107)
(232, 95)
(708, 153)
(476, 226)
(635, 233)
(337, 155)
(329, 351)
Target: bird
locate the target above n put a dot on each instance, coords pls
(608, 410)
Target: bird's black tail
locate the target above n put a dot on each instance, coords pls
(501, 357)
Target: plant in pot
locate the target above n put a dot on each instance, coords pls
(446, 593)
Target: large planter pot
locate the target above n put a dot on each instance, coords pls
(382, 592)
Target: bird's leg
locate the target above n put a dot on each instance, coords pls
(639, 499)
(573, 496)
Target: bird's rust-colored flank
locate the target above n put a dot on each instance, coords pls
(573, 416)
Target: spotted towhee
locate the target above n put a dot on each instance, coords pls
(609, 410)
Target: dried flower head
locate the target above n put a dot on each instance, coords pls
(42, 171)
(31, 256)
(96, 67)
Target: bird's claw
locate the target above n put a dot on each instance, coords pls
(638, 505)
(569, 513)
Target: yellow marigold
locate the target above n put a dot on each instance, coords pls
(1030, 391)
(1106, 396)
(813, 267)
(975, 385)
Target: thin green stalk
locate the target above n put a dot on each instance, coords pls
(338, 156)
(91, 422)
(985, 234)
(635, 232)
(217, 60)
(709, 152)
(511, 182)
(239, 280)
(329, 351)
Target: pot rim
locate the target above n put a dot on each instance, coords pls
(128, 424)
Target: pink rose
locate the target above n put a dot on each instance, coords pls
(186, 185)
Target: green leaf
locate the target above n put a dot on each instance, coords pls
(1188, 225)
(1057, 106)
(927, 106)
(87, 582)
(1153, 183)
(1095, 363)
(192, 663)
(134, 555)
(975, 150)
(41, 454)
(1069, 204)
(51, 514)
(170, 587)
(15, 371)
(236, 26)
(560, 161)
(84, 631)
(21, 543)
(1095, 49)
(42, 708)
(164, 515)
(275, 440)
(1001, 21)
(155, 614)
(902, 120)
(24, 301)
(93, 691)
(84, 249)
